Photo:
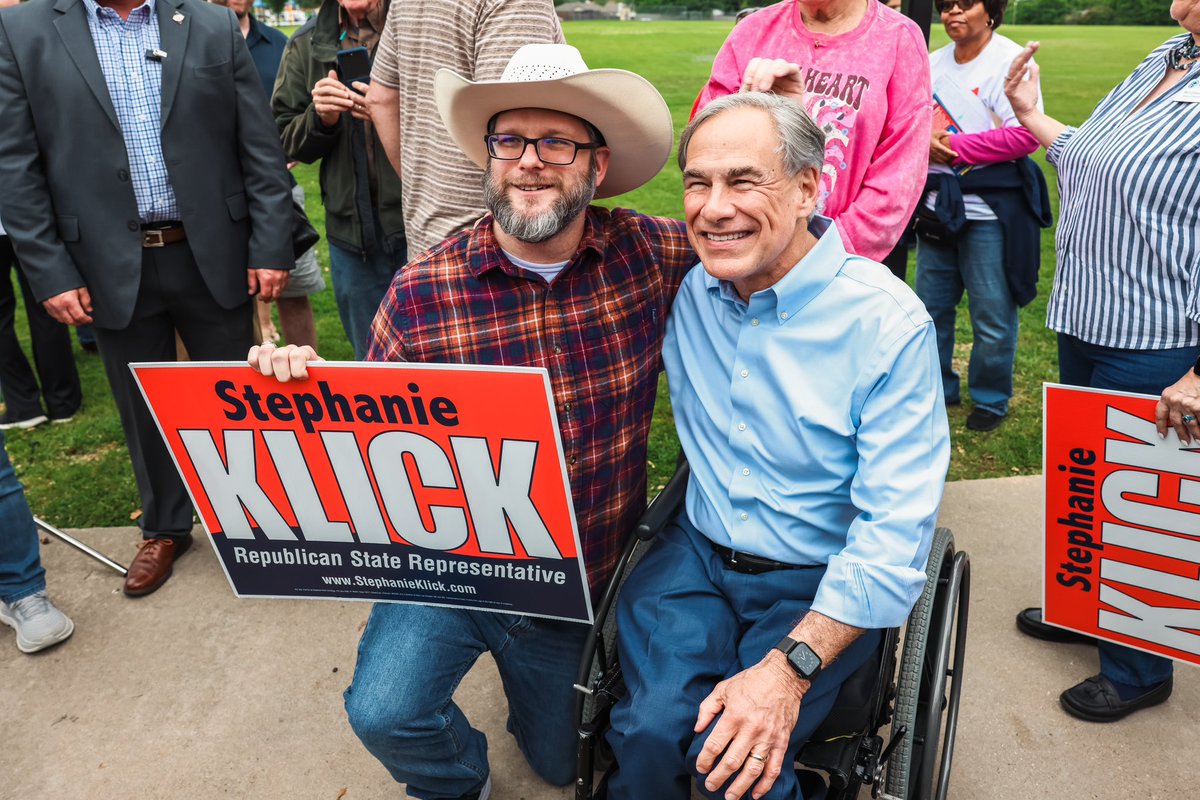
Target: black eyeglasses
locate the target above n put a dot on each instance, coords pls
(549, 149)
(944, 6)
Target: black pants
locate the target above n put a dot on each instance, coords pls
(52, 355)
(172, 296)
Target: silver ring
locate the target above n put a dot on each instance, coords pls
(757, 757)
(1188, 418)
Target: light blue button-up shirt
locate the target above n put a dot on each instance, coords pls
(135, 87)
(814, 423)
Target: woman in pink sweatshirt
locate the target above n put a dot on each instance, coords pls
(866, 84)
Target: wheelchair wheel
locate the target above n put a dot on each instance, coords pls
(929, 686)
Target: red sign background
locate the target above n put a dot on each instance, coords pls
(480, 410)
(1122, 543)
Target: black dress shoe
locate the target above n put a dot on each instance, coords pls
(983, 421)
(1029, 622)
(1096, 700)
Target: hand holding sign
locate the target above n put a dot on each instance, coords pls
(285, 363)
(1179, 408)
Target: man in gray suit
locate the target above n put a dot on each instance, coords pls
(145, 190)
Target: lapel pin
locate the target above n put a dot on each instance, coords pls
(178, 18)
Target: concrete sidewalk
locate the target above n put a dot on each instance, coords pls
(191, 693)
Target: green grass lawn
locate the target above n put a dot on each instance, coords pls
(79, 475)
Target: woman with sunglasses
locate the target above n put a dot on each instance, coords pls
(861, 71)
(978, 224)
(1126, 297)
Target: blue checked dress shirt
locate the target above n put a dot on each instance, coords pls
(813, 421)
(135, 87)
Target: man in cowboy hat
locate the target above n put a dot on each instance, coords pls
(544, 280)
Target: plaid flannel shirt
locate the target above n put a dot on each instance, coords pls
(598, 329)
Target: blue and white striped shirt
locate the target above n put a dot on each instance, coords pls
(1128, 238)
(135, 86)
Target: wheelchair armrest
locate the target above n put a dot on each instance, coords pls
(665, 505)
(598, 648)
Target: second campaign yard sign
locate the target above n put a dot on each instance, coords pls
(434, 484)
(1122, 557)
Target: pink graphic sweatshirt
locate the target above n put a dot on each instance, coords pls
(868, 91)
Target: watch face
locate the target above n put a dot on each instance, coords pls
(806, 662)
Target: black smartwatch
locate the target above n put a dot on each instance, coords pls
(801, 657)
(1196, 367)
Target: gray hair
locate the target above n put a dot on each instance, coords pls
(801, 142)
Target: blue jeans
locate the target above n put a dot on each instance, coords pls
(974, 263)
(411, 659)
(360, 282)
(1145, 372)
(21, 572)
(685, 622)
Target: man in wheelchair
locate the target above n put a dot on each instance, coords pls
(806, 392)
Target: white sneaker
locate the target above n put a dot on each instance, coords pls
(7, 423)
(38, 623)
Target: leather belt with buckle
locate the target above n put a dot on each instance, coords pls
(750, 564)
(161, 234)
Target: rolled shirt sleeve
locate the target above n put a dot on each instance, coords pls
(903, 452)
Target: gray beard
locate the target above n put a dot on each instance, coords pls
(538, 228)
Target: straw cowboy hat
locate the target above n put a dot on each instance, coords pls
(626, 109)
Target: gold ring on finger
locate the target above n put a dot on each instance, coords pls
(757, 757)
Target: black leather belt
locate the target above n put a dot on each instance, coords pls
(161, 234)
(750, 564)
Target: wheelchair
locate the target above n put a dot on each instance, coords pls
(915, 694)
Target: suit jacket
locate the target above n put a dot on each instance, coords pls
(68, 201)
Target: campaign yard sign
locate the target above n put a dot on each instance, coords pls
(1122, 547)
(434, 484)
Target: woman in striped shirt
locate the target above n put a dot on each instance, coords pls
(1125, 302)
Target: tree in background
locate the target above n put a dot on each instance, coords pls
(1023, 12)
(1090, 12)
(660, 6)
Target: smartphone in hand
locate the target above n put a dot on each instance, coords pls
(354, 65)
